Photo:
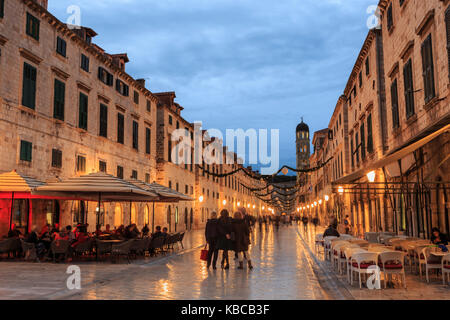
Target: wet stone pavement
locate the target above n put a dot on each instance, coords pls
(285, 268)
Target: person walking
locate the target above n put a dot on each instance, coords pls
(224, 237)
(315, 222)
(347, 224)
(241, 241)
(305, 223)
(211, 234)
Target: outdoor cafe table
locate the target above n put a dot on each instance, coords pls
(380, 249)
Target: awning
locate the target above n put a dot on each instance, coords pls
(395, 156)
(165, 194)
(94, 185)
(15, 182)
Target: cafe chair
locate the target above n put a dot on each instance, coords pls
(446, 269)
(361, 262)
(392, 263)
(429, 262)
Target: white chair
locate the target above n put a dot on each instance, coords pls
(446, 268)
(392, 263)
(372, 237)
(318, 243)
(327, 246)
(361, 262)
(425, 259)
(336, 252)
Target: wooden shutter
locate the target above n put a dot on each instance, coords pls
(26, 148)
(447, 24)
(363, 141)
(103, 121)
(369, 134)
(409, 88)
(29, 86)
(147, 140)
(59, 97)
(120, 128)
(2, 8)
(135, 135)
(428, 69)
(83, 112)
(394, 104)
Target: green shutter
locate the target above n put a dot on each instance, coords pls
(2, 8)
(26, 150)
(29, 86)
(83, 112)
(59, 97)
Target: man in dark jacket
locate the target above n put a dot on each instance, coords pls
(331, 231)
(211, 234)
(241, 240)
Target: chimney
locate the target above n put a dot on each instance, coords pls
(43, 3)
(141, 82)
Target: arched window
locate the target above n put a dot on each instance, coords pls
(118, 215)
(146, 215)
(133, 213)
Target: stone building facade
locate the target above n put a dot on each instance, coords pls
(395, 174)
(69, 108)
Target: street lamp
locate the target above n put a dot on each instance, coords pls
(200, 199)
(263, 207)
(239, 204)
(341, 189)
(315, 203)
(320, 201)
(224, 202)
(327, 197)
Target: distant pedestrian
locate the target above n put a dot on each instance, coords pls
(241, 239)
(315, 222)
(212, 235)
(224, 237)
(332, 230)
(305, 223)
(347, 224)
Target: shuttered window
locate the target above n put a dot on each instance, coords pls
(134, 174)
(369, 134)
(102, 166)
(120, 128)
(447, 24)
(29, 86)
(59, 97)
(357, 148)
(428, 69)
(56, 158)
(32, 27)
(409, 88)
(136, 97)
(148, 135)
(83, 112)
(390, 17)
(61, 46)
(394, 104)
(119, 172)
(84, 63)
(363, 141)
(26, 149)
(81, 164)
(352, 151)
(103, 121)
(105, 77)
(122, 88)
(135, 135)
(2, 8)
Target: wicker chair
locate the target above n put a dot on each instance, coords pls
(122, 249)
(29, 251)
(60, 247)
(102, 248)
(84, 248)
(139, 246)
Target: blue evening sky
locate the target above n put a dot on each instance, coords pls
(236, 63)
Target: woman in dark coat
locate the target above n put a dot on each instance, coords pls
(224, 237)
(241, 231)
(211, 234)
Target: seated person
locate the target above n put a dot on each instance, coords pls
(132, 232)
(107, 229)
(98, 230)
(165, 232)
(145, 231)
(331, 231)
(438, 238)
(81, 238)
(13, 232)
(158, 233)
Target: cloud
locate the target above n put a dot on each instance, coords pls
(237, 63)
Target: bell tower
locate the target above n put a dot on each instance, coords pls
(302, 145)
